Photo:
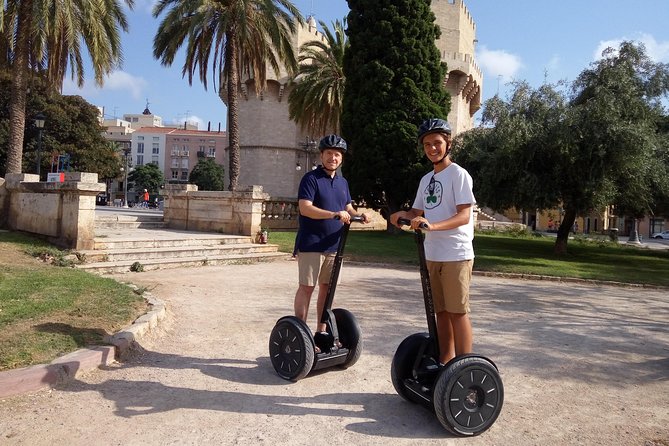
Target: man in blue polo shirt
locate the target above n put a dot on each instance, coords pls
(325, 206)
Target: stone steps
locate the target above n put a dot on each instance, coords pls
(126, 241)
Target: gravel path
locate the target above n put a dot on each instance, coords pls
(581, 364)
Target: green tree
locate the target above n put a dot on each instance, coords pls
(316, 101)
(617, 116)
(147, 176)
(394, 81)
(49, 34)
(72, 128)
(207, 175)
(247, 38)
(542, 149)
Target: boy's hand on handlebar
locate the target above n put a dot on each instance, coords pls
(420, 223)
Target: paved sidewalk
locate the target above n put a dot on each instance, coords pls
(581, 364)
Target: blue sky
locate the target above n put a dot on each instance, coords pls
(517, 39)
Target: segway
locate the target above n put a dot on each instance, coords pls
(466, 393)
(292, 347)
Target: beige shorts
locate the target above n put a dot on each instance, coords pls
(314, 267)
(450, 285)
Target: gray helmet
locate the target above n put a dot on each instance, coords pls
(433, 125)
(332, 142)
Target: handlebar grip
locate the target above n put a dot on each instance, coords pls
(406, 222)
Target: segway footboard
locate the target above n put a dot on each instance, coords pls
(414, 370)
(468, 395)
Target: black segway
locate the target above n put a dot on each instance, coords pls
(291, 345)
(466, 393)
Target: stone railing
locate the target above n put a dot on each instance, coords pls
(62, 212)
(282, 215)
(227, 212)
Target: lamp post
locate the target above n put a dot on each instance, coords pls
(309, 145)
(126, 164)
(39, 123)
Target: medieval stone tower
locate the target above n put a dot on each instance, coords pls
(457, 44)
(273, 146)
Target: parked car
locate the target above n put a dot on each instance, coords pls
(663, 234)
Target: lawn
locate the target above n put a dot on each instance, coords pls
(46, 311)
(511, 253)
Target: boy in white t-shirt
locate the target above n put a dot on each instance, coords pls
(445, 203)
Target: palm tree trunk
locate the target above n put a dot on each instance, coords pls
(233, 111)
(17, 102)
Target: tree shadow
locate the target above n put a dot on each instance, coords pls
(82, 337)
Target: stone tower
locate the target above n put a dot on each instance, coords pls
(456, 45)
(272, 146)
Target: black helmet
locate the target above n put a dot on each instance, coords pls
(433, 125)
(332, 142)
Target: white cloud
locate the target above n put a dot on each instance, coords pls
(497, 63)
(117, 81)
(657, 51)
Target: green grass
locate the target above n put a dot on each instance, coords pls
(512, 253)
(46, 311)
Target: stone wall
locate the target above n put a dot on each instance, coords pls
(64, 213)
(227, 212)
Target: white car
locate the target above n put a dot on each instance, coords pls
(663, 234)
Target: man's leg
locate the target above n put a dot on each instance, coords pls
(302, 299)
(320, 304)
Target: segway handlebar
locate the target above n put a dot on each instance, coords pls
(406, 222)
(357, 218)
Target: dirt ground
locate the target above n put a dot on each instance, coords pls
(581, 364)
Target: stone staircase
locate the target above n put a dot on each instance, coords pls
(127, 241)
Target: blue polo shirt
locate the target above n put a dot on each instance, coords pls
(325, 192)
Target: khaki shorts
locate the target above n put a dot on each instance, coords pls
(315, 267)
(450, 285)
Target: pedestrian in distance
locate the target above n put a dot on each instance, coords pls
(445, 203)
(325, 206)
(145, 199)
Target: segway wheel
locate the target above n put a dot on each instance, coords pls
(350, 335)
(468, 395)
(291, 348)
(403, 365)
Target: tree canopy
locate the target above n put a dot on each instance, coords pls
(71, 128)
(316, 101)
(394, 80)
(207, 175)
(45, 37)
(147, 176)
(596, 144)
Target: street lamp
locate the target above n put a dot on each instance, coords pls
(127, 162)
(309, 146)
(40, 119)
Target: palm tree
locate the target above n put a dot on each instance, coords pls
(98, 29)
(246, 37)
(48, 34)
(316, 100)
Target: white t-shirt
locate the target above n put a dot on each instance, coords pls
(438, 195)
